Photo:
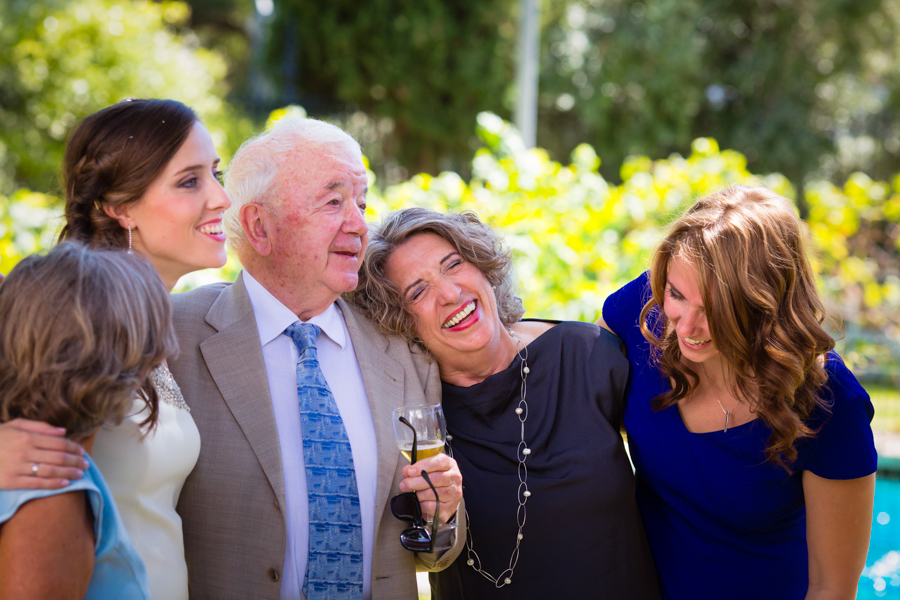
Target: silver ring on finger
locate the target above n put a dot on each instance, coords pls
(34, 469)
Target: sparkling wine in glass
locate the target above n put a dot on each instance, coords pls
(430, 431)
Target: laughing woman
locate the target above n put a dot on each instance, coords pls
(533, 408)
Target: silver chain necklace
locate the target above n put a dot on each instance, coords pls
(522, 453)
(728, 413)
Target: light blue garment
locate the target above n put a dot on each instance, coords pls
(334, 567)
(119, 573)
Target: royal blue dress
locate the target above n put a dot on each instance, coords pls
(118, 570)
(721, 521)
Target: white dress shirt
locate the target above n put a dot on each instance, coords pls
(341, 369)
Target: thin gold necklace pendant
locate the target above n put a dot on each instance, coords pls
(719, 402)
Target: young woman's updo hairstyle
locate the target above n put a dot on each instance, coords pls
(80, 333)
(112, 158)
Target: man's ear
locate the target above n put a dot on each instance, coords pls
(254, 222)
(120, 213)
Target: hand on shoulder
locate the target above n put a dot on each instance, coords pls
(35, 455)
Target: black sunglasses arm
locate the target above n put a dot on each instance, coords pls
(412, 454)
(435, 522)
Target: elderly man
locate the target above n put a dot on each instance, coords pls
(275, 364)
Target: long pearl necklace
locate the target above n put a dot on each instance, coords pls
(522, 453)
(728, 413)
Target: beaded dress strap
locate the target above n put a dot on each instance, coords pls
(167, 388)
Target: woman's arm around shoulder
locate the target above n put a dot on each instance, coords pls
(838, 524)
(603, 324)
(47, 549)
(622, 308)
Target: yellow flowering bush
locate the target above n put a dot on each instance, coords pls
(576, 237)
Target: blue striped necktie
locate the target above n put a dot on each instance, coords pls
(334, 567)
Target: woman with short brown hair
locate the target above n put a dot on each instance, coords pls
(81, 332)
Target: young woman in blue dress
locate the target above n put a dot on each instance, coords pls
(750, 437)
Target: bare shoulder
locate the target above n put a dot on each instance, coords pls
(528, 331)
(60, 514)
(47, 548)
(603, 324)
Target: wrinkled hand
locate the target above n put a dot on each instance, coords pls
(444, 474)
(24, 443)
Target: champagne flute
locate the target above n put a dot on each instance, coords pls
(422, 425)
(420, 432)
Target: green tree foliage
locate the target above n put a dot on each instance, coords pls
(29, 221)
(802, 88)
(61, 60)
(785, 83)
(428, 65)
(227, 27)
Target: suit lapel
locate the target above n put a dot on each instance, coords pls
(235, 361)
(384, 379)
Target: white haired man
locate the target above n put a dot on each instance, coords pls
(251, 523)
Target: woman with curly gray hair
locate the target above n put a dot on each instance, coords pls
(533, 410)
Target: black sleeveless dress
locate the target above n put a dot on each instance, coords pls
(583, 536)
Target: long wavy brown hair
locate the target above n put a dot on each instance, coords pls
(764, 312)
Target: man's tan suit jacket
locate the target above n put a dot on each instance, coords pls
(232, 504)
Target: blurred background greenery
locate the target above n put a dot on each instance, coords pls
(677, 97)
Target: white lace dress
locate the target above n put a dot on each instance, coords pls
(146, 475)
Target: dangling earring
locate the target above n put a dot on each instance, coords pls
(129, 240)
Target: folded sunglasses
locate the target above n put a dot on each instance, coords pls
(406, 507)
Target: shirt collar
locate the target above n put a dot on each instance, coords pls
(273, 317)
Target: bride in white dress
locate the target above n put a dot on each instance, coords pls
(142, 175)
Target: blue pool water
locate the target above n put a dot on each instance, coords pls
(881, 577)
